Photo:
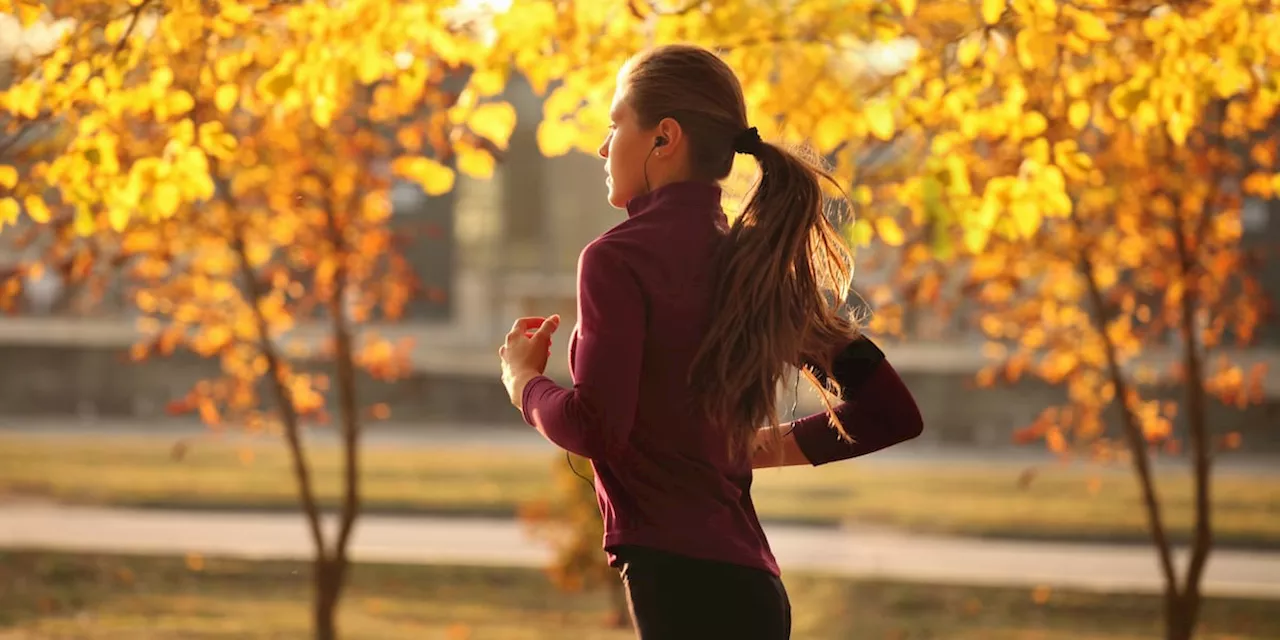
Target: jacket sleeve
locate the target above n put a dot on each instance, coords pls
(876, 409)
(595, 417)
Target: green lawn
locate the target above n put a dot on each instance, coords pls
(92, 597)
(1061, 502)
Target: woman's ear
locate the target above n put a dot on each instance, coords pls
(670, 132)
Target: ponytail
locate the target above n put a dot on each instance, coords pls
(783, 276)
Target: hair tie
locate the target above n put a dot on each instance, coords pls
(748, 142)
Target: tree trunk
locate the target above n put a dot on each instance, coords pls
(328, 590)
(1179, 622)
(1135, 439)
(325, 591)
(1198, 431)
(1137, 444)
(348, 404)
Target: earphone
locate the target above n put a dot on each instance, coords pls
(659, 141)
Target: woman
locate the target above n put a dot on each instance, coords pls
(686, 327)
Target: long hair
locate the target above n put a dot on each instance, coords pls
(785, 271)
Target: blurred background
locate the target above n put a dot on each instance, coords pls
(123, 514)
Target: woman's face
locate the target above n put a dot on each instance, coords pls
(625, 150)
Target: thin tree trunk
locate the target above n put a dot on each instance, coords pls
(324, 625)
(328, 585)
(348, 407)
(1193, 385)
(1134, 436)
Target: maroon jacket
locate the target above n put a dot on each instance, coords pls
(663, 478)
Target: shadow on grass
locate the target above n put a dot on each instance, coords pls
(94, 596)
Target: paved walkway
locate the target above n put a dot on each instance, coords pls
(891, 555)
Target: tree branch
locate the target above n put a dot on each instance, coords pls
(1133, 432)
(1193, 385)
(133, 24)
(348, 405)
(288, 410)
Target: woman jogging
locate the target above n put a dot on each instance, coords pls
(686, 327)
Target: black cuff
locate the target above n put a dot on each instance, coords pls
(853, 366)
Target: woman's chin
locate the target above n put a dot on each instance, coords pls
(617, 199)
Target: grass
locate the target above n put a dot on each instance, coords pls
(97, 597)
(1059, 502)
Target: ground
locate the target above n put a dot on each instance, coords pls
(1047, 501)
(98, 597)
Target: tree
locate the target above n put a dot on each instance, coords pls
(1078, 167)
(1089, 162)
(235, 160)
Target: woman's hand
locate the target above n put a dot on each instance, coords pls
(525, 353)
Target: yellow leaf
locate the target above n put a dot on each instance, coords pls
(433, 177)
(36, 209)
(8, 176)
(179, 102)
(1258, 184)
(830, 132)
(1026, 218)
(908, 7)
(879, 119)
(861, 233)
(322, 111)
(376, 207)
(992, 10)
(889, 231)
(969, 50)
(1178, 126)
(493, 121)
(85, 224)
(1078, 114)
(29, 13)
(118, 218)
(9, 211)
(1057, 443)
(167, 198)
(226, 97)
(488, 82)
(555, 137)
(1034, 50)
(475, 162)
(1091, 27)
(1033, 124)
(236, 13)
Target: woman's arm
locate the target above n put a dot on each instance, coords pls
(777, 450)
(594, 418)
(877, 411)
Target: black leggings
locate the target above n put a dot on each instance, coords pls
(674, 597)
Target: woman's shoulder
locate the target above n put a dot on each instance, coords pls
(622, 244)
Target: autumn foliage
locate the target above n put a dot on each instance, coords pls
(1069, 176)
(233, 163)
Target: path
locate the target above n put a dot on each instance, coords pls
(502, 542)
